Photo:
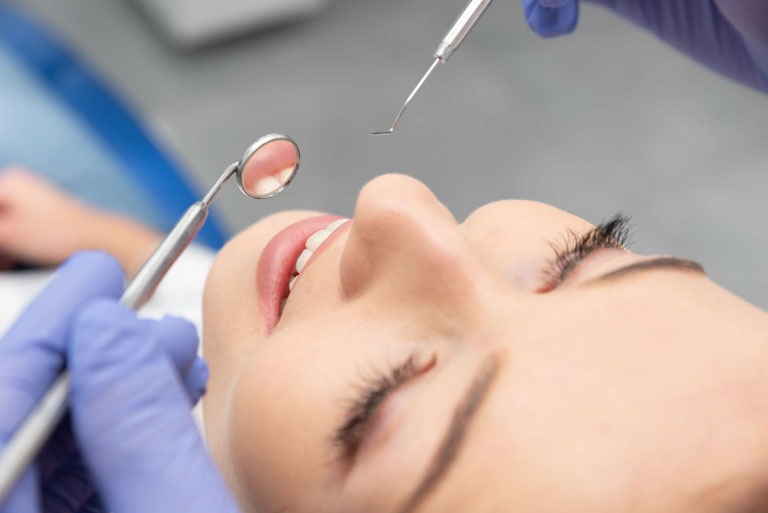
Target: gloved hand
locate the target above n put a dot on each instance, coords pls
(133, 382)
(131, 413)
(31, 354)
(730, 36)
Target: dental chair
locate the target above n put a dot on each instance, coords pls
(60, 119)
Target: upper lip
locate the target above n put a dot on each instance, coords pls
(277, 263)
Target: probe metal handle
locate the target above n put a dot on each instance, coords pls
(461, 27)
(38, 426)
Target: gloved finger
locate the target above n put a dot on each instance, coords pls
(178, 339)
(84, 276)
(109, 341)
(196, 379)
(550, 18)
(32, 352)
(132, 419)
(25, 497)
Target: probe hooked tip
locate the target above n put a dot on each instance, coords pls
(408, 100)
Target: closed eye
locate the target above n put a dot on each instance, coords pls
(369, 397)
(613, 234)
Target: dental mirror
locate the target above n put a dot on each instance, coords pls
(268, 166)
(265, 169)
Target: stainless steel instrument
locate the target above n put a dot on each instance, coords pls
(450, 43)
(265, 169)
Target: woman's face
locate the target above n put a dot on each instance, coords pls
(423, 365)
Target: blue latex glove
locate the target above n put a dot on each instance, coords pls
(158, 354)
(131, 415)
(31, 354)
(729, 36)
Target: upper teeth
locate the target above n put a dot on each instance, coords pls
(313, 242)
(269, 184)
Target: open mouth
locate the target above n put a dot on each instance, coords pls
(313, 243)
(283, 260)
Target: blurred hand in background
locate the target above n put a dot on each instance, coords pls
(41, 225)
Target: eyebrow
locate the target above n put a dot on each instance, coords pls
(663, 262)
(454, 436)
(448, 449)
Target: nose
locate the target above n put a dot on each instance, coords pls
(405, 244)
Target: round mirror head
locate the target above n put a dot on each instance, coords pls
(268, 166)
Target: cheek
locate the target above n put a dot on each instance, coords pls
(228, 337)
(269, 449)
(515, 238)
(230, 299)
(279, 422)
(618, 399)
(231, 326)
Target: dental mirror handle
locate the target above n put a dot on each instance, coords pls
(173, 245)
(461, 28)
(154, 270)
(261, 174)
(36, 429)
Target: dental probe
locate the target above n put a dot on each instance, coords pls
(260, 175)
(450, 43)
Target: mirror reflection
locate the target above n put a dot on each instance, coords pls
(268, 166)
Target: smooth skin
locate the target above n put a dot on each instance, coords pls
(645, 391)
(42, 225)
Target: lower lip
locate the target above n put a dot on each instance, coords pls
(277, 263)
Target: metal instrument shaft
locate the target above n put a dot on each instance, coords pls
(449, 44)
(265, 178)
(39, 425)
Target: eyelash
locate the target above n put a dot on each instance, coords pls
(615, 233)
(373, 390)
(369, 396)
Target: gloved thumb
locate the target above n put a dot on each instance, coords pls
(131, 415)
(177, 339)
(550, 18)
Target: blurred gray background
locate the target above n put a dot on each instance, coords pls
(606, 120)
